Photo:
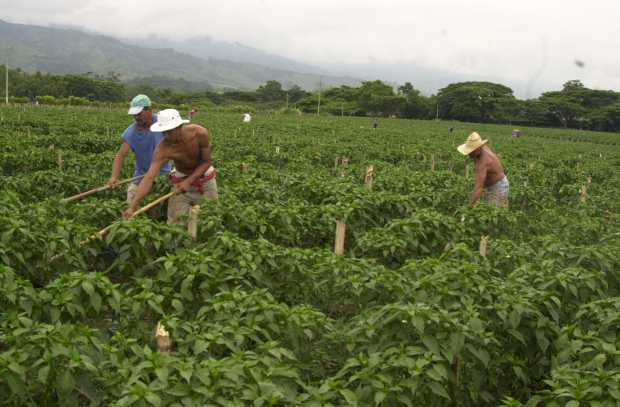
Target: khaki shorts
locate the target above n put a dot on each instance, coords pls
(180, 204)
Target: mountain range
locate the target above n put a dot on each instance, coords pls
(202, 63)
(68, 50)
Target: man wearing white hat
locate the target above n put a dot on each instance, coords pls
(141, 140)
(194, 178)
(490, 175)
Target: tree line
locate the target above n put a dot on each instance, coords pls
(574, 106)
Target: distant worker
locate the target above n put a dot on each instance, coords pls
(489, 172)
(516, 133)
(141, 140)
(247, 117)
(194, 178)
(375, 125)
(192, 113)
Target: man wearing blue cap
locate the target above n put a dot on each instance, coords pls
(141, 140)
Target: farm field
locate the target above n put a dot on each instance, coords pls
(259, 308)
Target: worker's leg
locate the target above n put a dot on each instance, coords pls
(210, 190)
(178, 205)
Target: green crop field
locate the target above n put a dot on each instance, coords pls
(261, 311)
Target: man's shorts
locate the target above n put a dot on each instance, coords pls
(497, 194)
(180, 204)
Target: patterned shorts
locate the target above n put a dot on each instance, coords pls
(497, 194)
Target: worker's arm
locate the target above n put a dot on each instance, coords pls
(117, 164)
(147, 182)
(205, 160)
(481, 176)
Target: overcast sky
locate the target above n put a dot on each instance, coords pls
(519, 40)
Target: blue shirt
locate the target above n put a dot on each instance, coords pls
(143, 145)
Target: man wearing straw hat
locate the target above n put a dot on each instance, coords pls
(141, 140)
(194, 178)
(490, 175)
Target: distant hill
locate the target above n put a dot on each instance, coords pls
(206, 47)
(62, 51)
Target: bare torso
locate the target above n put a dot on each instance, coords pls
(187, 152)
(494, 169)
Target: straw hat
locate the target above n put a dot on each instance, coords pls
(473, 142)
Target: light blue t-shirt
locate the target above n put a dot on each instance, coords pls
(143, 145)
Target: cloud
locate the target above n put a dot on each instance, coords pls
(511, 40)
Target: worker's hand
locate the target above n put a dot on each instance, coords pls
(112, 182)
(128, 213)
(183, 186)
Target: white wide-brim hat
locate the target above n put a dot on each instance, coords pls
(168, 119)
(473, 142)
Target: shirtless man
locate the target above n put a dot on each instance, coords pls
(489, 172)
(194, 178)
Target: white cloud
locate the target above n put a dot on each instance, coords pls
(494, 38)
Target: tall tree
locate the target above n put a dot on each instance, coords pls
(415, 106)
(474, 101)
(270, 91)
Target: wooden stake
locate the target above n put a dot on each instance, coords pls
(244, 167)
(369, 177)
(343, 163)
(456, 370)
(608, 216)
(192, 224)
(162, 338)
(584, 191)
(432, 162)
(61, 161)
(99, 189)
(484, 240)
(339, 241)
